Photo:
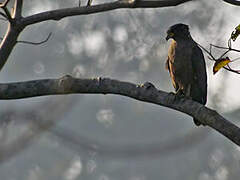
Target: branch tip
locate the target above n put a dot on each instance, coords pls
(36, 43)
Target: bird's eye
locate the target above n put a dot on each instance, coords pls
(171, 34)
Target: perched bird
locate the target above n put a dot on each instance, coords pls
(186, 65)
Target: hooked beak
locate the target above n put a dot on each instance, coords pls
(169, 35)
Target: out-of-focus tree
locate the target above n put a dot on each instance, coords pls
(17, 23)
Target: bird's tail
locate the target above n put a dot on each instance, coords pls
(197, 122)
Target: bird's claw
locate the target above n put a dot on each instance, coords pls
(171, 97)
(178, 95)
(175, 96)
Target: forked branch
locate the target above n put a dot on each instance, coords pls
(7, 14)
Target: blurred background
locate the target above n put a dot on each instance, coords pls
(109, 137)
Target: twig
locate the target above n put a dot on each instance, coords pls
(220, 47)
(209, 53)
(4, 15)
(228, 49)
(34, 43)
(4, 4)
(5, 9)
(224, 53)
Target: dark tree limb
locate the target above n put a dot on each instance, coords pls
(62, 13)
(4, 3)
(14, 29)
(233, 2)
(8, 43)
(17, 9)
(146, 93)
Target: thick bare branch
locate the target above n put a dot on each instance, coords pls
(17, 9)
(233, 2)
(3, 15)
(7, 14)
(62, 13)
(146, 93)
(4, 3)
(8, 43)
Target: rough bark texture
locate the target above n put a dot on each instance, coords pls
(146, 93)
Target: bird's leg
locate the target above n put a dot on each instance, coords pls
(179, 93)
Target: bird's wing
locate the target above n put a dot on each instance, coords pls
(199, 87)
(170, 68)
(167, 64)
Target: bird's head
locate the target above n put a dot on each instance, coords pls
(178, 31)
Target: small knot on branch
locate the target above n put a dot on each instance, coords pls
(147, 85)
(130, 2)
(65, 83)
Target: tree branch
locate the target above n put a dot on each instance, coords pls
(84, 10)
(233, 2)
(146, 93)
(17, 10)
(8, 43)
(3, 5)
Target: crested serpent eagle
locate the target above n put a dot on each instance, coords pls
(186, 65)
